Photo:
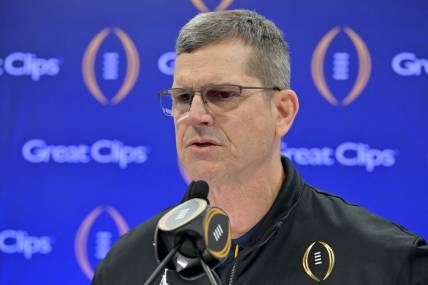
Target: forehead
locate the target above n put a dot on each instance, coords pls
(223, 62)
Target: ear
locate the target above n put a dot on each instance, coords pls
(286, 106)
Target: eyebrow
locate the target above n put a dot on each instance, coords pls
(210, 84)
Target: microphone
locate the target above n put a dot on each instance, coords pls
(198, 189)
(192, 237)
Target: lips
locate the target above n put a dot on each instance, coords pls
(201, 143)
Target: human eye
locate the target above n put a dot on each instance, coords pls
(222, 93)
(181, 96)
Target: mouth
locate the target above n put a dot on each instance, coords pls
(202, 143)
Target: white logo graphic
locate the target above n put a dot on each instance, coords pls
(182, 214)
(346, 154)
(407, 64)
(218, 232)
(13, 241)
(317, 258)
(110, 66)
(28, 64)
(102, 244)
(102, 151)
(166, 63)
(341, 66)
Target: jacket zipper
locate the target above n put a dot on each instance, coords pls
(269, 236)
(235, 262)
(232, 273)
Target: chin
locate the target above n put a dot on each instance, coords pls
(202, 175)
(199, 171)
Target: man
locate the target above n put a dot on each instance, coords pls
(232, 104)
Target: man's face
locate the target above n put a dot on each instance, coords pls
(229, 145)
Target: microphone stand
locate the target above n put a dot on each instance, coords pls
(207, 271)
(162, 265)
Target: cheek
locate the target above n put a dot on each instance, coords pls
(241, 131)
(254, 132)
(179, 132)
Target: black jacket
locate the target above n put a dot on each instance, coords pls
(306, 236)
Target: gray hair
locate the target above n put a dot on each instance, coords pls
(271, 60)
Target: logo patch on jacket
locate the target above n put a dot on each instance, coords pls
(318, 261)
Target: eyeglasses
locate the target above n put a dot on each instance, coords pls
(217, 98)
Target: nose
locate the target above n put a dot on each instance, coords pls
(198, 112)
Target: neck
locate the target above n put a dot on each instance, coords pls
(247, 199)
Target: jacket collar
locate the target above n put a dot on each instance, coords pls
(287, 199)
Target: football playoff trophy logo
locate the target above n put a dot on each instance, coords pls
(341, 66)
(110, 66)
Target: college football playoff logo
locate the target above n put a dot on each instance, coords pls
(110, 66)
(340, 67)
(82, 236)
(318, 261)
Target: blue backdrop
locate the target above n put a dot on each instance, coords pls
(86, 153)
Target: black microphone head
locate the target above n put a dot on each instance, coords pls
(200, 234)
(199, 189)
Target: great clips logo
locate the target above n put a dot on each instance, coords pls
(104, 151)
(201, 6)
(347, 154)
(409, 64)
(23, 243)
(95, 236)
(341, 67)
(19, 64)
(111, 67)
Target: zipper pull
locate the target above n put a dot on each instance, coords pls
(232, 272)
(236, 251)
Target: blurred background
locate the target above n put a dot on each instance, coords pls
(86, 153)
